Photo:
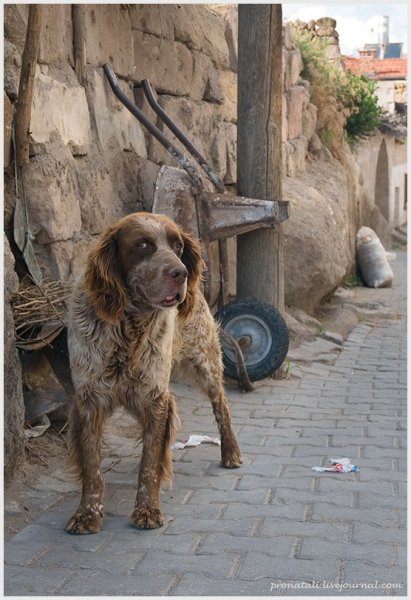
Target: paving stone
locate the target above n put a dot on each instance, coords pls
(219, 566)
(215, 543)
(243, 526)
(34, 581)
(294, 512)
(103, 584)
(199, 585)
(372, 554)
(257, 566)
(273, 527)
(360, 572)
(110, 561)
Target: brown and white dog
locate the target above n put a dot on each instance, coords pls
(136, 312)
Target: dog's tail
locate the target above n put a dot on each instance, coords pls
(172, 426)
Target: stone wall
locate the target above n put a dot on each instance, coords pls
(91, 162)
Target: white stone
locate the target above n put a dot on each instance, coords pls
(59, 107)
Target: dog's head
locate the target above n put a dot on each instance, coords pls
(145, 261)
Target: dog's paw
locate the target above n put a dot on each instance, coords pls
(147, 518)
(84, 523)
(231, 457)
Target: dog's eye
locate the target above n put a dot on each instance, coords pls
(178, 246)
(143, 245)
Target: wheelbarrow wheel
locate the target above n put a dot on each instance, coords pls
(262, 333)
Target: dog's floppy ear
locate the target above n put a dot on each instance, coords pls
(104, 281)
(194, 263)
(192, 259)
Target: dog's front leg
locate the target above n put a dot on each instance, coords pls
(85, 430)
(159, 428)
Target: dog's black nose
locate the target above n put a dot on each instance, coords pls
(179, 274)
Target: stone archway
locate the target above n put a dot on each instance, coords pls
(382, 182)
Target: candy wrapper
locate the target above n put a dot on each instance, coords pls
(338, 465)
(196, 440)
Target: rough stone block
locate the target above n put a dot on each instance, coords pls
(197, 121)
(54, 211)
(213, 91)
(296, 65)
(230, 15)
(8, 120)
(60, 107)
(228, 81)
(201, 68)
(316, 236)
(156, 19)
(109, 37)
(13, 388)
(56, 41)
(295, 156)
(12, 66)
(116, 127)
(284, 121)
(286, 69)
(168, 65)
(15, 24)
(309, 120)
(297, 100)
(201, 29)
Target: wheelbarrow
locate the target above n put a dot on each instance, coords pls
(254, 335)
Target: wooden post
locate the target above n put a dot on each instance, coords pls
(260, 265)
(26, 85)
(79, 41)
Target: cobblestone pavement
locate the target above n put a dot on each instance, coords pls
(273, 527)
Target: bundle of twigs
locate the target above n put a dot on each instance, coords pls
(39, 311)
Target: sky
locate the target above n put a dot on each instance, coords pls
(353, 20)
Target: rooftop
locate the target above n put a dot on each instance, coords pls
(375, 68)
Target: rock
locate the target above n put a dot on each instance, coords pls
(201, 68)
(297, 101)
(15, 24)
(305, 319)
(296, 65)
(168, 65)
(213, 91)
(109, 36)
(12, 66)
(147, 177)
(309, 120)
(53, 200)
(295, 151)
(315, 145)
(7, 128)
(56, 41)
(230, 15)
(13, 389)
(230, 174)
(287, 36)
(317, 251)
(318, 350)
(117, 129)
(228, 110)
(199, 28)
(59, 107)
(156, 19)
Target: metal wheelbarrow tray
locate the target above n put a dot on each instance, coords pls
(254, 335)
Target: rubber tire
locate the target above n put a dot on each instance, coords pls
(274, 323)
